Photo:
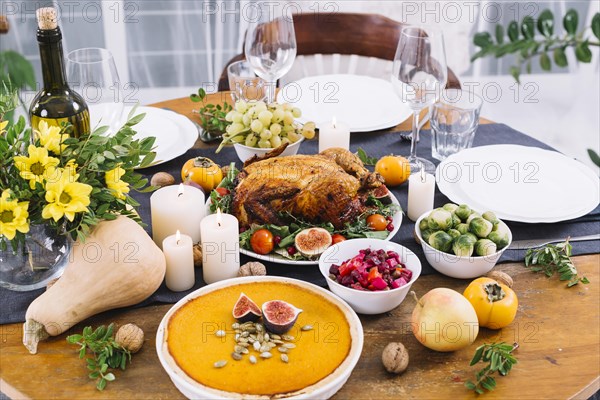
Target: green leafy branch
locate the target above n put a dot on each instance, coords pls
(15, 72)
(526, 45)
(555, 258)
(106, 353)
(212, 117)
(499, 358)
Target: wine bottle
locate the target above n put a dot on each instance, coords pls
(56, 103)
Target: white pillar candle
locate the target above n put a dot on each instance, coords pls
(180, 262)
(421, 188)
(177, 208)
(220, 247)
(335, 134)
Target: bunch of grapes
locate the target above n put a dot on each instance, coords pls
(256, 124)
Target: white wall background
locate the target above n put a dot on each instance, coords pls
(168, 49)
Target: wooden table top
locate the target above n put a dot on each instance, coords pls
(557, 329)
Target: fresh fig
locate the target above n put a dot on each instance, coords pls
(313, 241)
(245, 309)
(279, 316)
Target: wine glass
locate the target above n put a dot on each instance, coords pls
(419, 74)
(92, 73)
(270, 45)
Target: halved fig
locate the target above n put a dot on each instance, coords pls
(382, 194)
(245, 309)
(313, 241)
(279, 316)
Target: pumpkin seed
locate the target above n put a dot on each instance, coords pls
(256, 346)
(266, 354)
(235, 326)
(242, 340)
(220, 364)
(264, 348)
(288, 337)
(238, 331)
(277, 341)
(267, 337)
(307, 328)
(252, 360)
(240, 349)
(236, 356)
(251, 340)
(282, 349)
(245, 334)
(259, 327)
(289, 345)
(276, 337)
(237, 337)
(220, 333)
(285, 358)
(251, 330)
(244, 344)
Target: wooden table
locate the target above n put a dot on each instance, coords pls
(557, 328)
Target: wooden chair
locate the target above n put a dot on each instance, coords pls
(347, 43)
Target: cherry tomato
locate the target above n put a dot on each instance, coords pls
(222, 191)
(377, 222)
(262, 242)
(336, 238)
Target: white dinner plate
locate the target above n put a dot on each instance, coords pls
(276, 258)
(363, 103)
(174, 133)
(519, 183)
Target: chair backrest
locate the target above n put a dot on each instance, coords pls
(361, 44)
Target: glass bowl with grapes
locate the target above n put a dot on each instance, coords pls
(255, 129)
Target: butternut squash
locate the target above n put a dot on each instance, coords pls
(118, 265)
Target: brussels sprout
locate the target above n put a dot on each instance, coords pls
(472, 237)
(455, 221)
(501, 228)
(473, 215)
(425, 233)
(490, 216)
(481, 227)
(463, 246)
(441, 241)
(463, 211)
(423, 224)
(453, 233)
(500, 238)
(439, 219)
(462, 228)
(450, 207)
(485, 247)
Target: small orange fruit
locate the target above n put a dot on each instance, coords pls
(395, 170)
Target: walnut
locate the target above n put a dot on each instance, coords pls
(252, 269)
(501, 277)
(162, 179)
(395, 358)
(130, 337)
(197, 249)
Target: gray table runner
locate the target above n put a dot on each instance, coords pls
(376, 144)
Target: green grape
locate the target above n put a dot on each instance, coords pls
(265, 117)
(264, 144)
(308, 133)
(266, 134)
(241, 106)
(275, 129)
(288, 118)
(238, 139)
(251, 140)
(229, 116)
(296, 112)
(293, 137)
(235, 128)
(286, 106)
(260, 106)
(256, 126)
(275, 141)
(288, 128)
(278, 115)
(310, 125)
(251, 112)
(237, 116)
(246, 119)
(285, 140)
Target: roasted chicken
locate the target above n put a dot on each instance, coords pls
(332, 186)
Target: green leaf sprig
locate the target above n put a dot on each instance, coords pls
(212, 117)
(499, 358)
(555, 258)
(521, 40)
(106, 353)
(366, 160)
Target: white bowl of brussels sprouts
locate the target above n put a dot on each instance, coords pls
(462, 243)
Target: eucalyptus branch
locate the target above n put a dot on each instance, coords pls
(526, 45)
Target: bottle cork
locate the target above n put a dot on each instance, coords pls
(46, 17)
(3, 24)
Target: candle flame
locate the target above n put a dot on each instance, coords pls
(177, 236)
(334, 122)
(219, 218)
(181, 190)
(423, 177)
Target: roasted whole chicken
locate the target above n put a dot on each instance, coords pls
(332, 186)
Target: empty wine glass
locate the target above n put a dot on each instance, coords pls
(270, 45)
(92, 73)
(419, 74)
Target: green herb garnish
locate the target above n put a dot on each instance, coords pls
(366, 160)
(555, 258)
(106, 353)
(499, 359)
(212, 117)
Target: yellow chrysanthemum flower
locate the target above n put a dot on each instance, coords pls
(3, 125)
(50, 137)
(13, 216)
(114, 183)
(65, 196)
(37, 167)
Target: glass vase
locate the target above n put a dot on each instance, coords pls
(41, 258)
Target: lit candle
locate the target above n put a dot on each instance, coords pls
(335, 134)
(180, 262)
(220, 247)
(176, 207)
(421, 188)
